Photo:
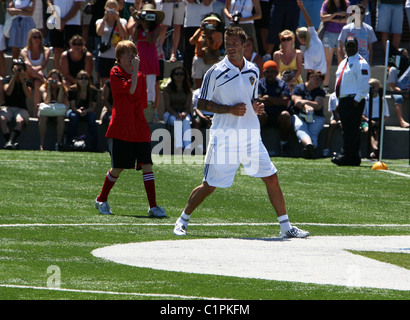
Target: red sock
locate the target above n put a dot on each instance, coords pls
(108, 184)
(149, 183)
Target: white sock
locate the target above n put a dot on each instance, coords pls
(284, 222)
(185, 217)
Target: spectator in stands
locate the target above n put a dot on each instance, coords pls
(390, 17)
(201, 118)
(400, 83)
(174, 16)
(178, 107)
(145, 34)
(243, 13)
(333, 124)
(2, 40)
(38, 15)
(194, 13)
(250, 54)
(365, 36)
(275, 94)
(98, 11)
(75, 59)
(207, 40)
(17, 88)
(262, 26)
(67, 21)
(53, 91)
(333, 14)
(109, 38)
(314, 53)
(22, 11)
(284, 15)
(308, 100)
(82, 98)
(289, 59)
(371, 123)
(107, 101)
(36, 57)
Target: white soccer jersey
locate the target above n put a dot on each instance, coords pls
(234, 140)
(227, 85)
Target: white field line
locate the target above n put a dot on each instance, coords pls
(157, 295)
(22, 225)
(397, 173)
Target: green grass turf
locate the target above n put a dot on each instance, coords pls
(60, 188)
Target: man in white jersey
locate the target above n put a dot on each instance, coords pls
(230, 90)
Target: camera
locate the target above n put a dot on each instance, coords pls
(208, 26)
(54, 81)
(198, 1)
(236, 16)
(111, 10)
(143, 15)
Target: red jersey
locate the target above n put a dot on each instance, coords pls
(128, 121)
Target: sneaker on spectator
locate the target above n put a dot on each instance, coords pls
(103, 207)
(157, 212)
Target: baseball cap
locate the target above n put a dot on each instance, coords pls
(270, 64)
(350, 40)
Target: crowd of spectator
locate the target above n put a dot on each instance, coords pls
(293, 43)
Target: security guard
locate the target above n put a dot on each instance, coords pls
(352, 86)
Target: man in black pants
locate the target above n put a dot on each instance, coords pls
(352, 87)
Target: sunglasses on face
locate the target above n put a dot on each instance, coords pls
(77, 44)
(36, 37)
(82, 78)
(179, 74)
(286, 39)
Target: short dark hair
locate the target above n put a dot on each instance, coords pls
(236, 31)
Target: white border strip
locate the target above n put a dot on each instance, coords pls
(196, 224)
(396, 173)
(158, 295)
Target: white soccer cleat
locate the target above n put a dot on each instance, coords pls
(157, 212)
(103, 207)
(180, 228)
(294, 232)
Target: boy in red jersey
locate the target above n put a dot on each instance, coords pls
(128, 134)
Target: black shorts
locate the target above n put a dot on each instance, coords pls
(104, 66)
(161, 70)
(61, 39)
(129, 155)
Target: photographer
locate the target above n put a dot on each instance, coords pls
(53, 93)
(16, 89)
(145, 25)
(112, 29)
(207, 40)
(242, 13)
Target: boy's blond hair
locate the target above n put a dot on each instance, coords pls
(123, 46)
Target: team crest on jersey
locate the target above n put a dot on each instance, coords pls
(252, 80)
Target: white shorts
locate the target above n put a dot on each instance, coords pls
(199, 67)
(223, 160)
(174, 13)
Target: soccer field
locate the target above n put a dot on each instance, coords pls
(55, 245)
